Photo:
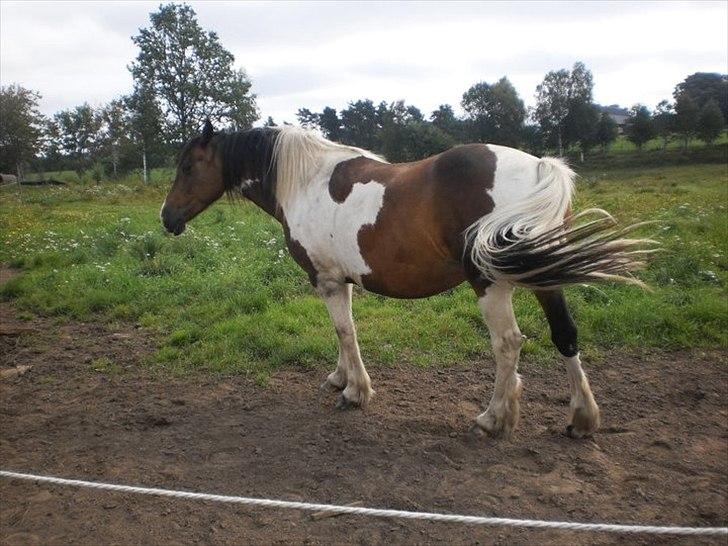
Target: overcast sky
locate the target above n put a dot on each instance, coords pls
(318, 54)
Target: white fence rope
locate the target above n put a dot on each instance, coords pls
(376, 512)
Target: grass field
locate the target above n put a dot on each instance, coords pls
(226, 296)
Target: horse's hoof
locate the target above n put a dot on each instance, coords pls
(345, 404)
(475, 432)
(577, 434)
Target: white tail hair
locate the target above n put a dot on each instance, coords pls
(298, 155)
(532, 243)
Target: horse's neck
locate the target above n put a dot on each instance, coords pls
(262, 197)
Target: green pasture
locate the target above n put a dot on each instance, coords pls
(226, 296)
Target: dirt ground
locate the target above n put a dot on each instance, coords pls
(660, 458)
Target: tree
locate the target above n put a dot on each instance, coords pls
(330, 124)
(663, 119)
(79, 131)
(639, 127)
(495, 112)
(533, 138)
(307, 118)
(20, 127)
(269, 122)
(559, 94)
(145, 124)
(413, 140)
(704, 87)
(405, 135)
(115, 133)
(606, 131)
(710, 122)
(686, 118)
(581, 126)
(360, 125)
(190, 74)
(444, 119)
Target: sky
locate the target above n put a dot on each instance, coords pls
(318, 54)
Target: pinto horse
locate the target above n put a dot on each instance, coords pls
(493, 216)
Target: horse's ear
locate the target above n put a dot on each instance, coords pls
(207, 132)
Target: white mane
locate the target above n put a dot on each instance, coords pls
(299, 154)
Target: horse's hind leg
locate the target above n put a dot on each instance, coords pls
(502, 414)
(584, 418)
(350, 374)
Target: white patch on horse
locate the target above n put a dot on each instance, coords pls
(516, 174)
(328, 230)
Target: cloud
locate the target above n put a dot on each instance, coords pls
(314, 54)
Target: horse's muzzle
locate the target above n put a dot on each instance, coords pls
(172, 220)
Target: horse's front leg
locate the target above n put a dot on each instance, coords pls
(350, 373)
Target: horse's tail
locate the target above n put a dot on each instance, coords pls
(536, 243)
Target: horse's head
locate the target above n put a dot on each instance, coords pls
(197, 184)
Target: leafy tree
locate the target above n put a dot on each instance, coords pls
(581, 125)
(686, 117)
(606, 131)
(79, 131)
(190, 74)
(330, 124)
(704, 87)
(307, 118)
(360, 125)
(559, 94)
(115, 132)
(495, 112)
(20, 127)
(413, 140)
(146, 126)
(710, 122)
(533, 139)
(269, 122)
(406, 136)
(444, 119)
(663, 119)
(639, 127)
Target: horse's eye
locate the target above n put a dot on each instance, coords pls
(187, 169)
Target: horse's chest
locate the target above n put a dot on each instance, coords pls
(328, 231)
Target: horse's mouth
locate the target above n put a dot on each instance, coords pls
(175, 228)
(178, 228)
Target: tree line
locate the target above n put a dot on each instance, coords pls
(182, 74)
(564, 117)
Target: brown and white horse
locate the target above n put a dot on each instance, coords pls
(489, 215)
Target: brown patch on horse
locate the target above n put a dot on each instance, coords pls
(415, 248)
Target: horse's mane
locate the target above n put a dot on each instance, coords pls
(299, 153)
(282, 159)
(247, 154)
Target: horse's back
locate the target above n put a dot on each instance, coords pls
(413, 244)
(415, 247)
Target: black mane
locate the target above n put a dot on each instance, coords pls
(247, 155)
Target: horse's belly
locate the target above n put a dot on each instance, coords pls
(407, 263)
(413, 280)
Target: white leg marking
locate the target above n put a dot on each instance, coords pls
(584, 412)
(502, 414)
(350, 373)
